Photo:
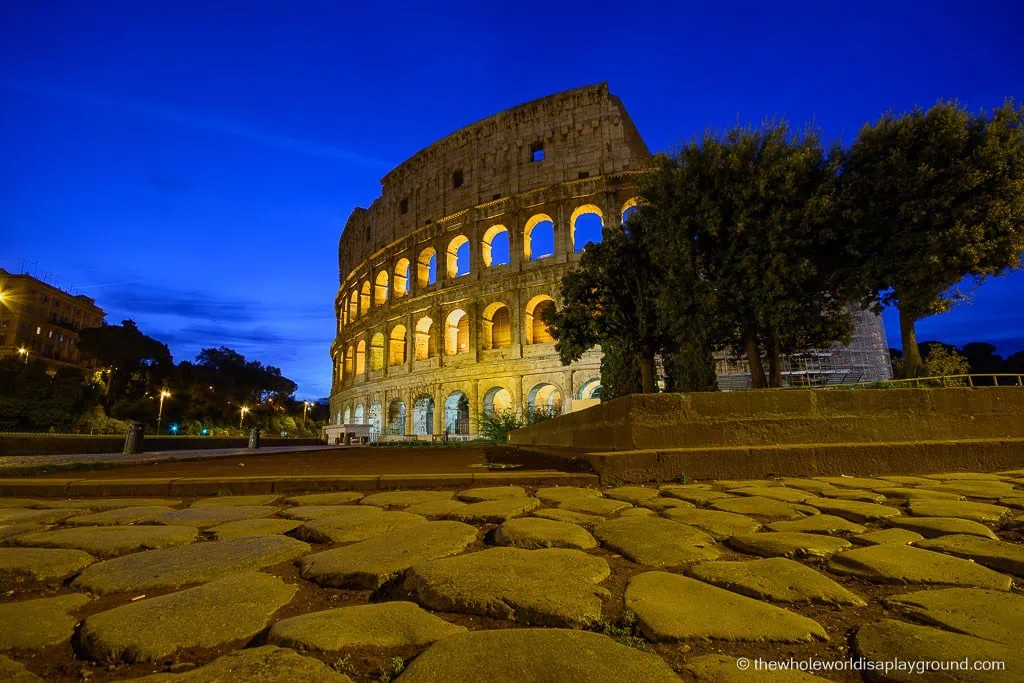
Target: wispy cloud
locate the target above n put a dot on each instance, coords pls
(285, 142)
(147, 300)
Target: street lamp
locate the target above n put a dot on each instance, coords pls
(160, 413)
(305, 410)
(24, 353)
(243, 411)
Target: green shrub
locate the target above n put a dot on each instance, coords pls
(496, 426)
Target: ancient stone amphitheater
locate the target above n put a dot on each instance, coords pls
(444, 278)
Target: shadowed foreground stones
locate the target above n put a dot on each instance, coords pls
(930, 527)
(404, 498)
(560, 494)
(230, 608)
(854, 511)
(892, 563)
(119, 516)
(494, 511)
(724, 669)
(819, 524)
(236, 501)
(311, 512)
(976, 512)
(374, 562)
(15, 672)
(19, 516)
(109, 541)
(253, 527)
(631, 494)
(1000, 555)
(550, 587)
(781, 493)
(202, 517)
(593, 506)
(481, 494)
(670, 607)
(568, 516)
(694, 495)
(527, 654)
(787, 544)
(898, 536)
(266, 664)
(756, 505)
(719, 525)
(776, 579)
(336, 498)
(354, 528)
(33, 624)
(533, 532)
(387, 624)
(42, 564)
(656, 542)
(99, 504)
(889, 640)
(173, 567)
(435, 508)
(992, 615)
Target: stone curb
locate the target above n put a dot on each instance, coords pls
(209, 486)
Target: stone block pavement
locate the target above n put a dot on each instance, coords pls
(529, 582)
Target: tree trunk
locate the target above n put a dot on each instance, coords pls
(757, 380)
(647, 373)
(912, 361)
(774, 363)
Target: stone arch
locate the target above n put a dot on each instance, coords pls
(535, 330)
(337, 417)
(396, 346)
(361, 357)
(425, 346)
(396, 417)
(353, 306)
(401, 282)
(496, 327)
(347, 416)
(494, 247)
(629, 208)
(456, 413)
(350, 359)
(589, 389)
(585, 226)
(423, 415)
(498, 399)
(456, 333)
(376, 417)
(359, 414)
(377, 352)
(426, 268)
(364, 298)
(546, 226)
(545, 397)
(380, 289)
(458, 257)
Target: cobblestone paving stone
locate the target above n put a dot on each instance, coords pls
(665, 582)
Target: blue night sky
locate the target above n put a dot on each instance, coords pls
(191, 164)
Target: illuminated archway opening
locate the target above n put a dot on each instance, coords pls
(458, 257)
(353, 306)
(376, 420)
(545, 398)
(536, 331)
(358, 414)
(426, 268)
(347, 417)
(539, 237)
(585, 226)
(364, 298)
(496, 332)
(396, 346)
(590, 389)
(456, 413)
(350, 359)
(401, 286)
(629, 208)
(377, 352)
(497, 400)
(361, 357)
(456, 333)
(495, 246)
(423, 415)
(396, 417)
(425, 347)
(380, 289)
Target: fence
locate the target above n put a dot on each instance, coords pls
(972, 381)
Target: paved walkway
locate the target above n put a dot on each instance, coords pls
(522, 583)
(15, 462)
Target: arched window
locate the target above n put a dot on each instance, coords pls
(377, 352)
(396, 417)
(545, 398)
(423, 415)
(424, 344)
(361, 357)
(358, 414)
(350, 359)
(396, 346)
(456, 333)
(364, 298)
(539, 237)
(376, 420)
(497, 400)
(494, 247)
(380, 289)
(496, 327)
(401, 287)
(458, 257)
(426, 268)
(536, 331)
(590, 389)
(629, 208)
(456, 413)
(353, 306)
(347, 417)
(585, 226)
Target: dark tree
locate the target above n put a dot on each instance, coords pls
(134, 361)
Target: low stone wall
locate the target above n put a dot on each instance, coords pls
(787, 417)
(73, 445)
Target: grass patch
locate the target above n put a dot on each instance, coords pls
(623, 631)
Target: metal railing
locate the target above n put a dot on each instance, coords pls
(944, 381)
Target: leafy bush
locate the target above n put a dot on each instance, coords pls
(496, 426)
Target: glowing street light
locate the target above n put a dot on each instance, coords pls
(243, 411)
(23, 352)
(305, 410)
(160, 413)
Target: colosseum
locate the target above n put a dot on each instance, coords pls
(444, 278)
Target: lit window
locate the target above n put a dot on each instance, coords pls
(39, 330)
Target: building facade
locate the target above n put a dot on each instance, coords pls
(38, 320)
(444, 278)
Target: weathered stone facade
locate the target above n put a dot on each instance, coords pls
(411, 343)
